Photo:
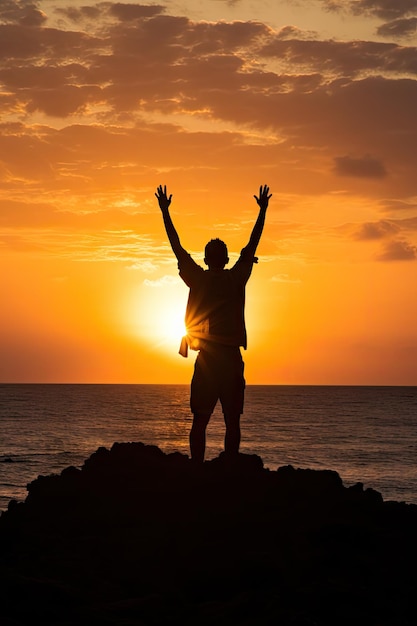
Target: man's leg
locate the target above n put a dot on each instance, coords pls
(232, 436)
(232, 397)
(202, 402)
(198, 436)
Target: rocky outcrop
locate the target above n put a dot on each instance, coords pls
(140, 537)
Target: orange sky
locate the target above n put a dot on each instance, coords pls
(102, 102)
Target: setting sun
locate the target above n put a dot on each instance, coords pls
(168, 319)
(155, 313)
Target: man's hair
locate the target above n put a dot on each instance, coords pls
(215, 253)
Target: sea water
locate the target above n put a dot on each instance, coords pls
(366, 434)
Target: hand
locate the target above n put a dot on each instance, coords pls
(264, 196)
(163, 200)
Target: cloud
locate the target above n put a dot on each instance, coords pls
(384, 9)
(128, 12)
(143, 266)
(388, 229)
(364, 167)
(403, 27)
(230, 3)
(399, 15)
(294, 33)
(23, 12)
(307, 99)
(103, 246)
(382, 229)
(162, 282)
(398, 251)
(79, 14)
(285, 278)
(170, 65)
(345, 58)
(49, 47)
(123, 12)
(407, 223)
(376, 230)
(393, 204)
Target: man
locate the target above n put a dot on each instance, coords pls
(215, 325)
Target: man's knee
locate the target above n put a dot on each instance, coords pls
(232, 419)
(200, 420)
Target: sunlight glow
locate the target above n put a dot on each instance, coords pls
(169, 324)
(157, 315)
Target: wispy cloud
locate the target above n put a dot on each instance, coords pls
(285, 278)
(376, 230)
(162, 282)
(398, 251)
(405, 27)
(385, 9)
(363, 167)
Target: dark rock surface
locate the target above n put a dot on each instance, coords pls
(138, 537)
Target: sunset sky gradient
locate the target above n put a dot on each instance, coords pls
(101, 102)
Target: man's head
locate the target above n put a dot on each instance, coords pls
(215, 254)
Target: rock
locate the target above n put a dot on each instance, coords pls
(137, 536)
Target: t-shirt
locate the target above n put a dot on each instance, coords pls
(216, 302)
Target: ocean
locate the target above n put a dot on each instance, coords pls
(366, 434)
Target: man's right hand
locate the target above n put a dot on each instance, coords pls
(163, 199)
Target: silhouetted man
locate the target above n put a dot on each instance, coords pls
(215, 325)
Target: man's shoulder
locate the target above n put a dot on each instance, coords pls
(242, 269)
(186, 260)
(189, 270)
(245, 261)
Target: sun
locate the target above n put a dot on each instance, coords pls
(169, 322)
(157, 316)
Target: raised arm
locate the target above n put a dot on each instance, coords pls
(164, 202)
(262, 201)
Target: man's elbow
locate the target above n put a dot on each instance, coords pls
(248, 254)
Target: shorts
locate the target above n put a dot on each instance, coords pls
(218, 375)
